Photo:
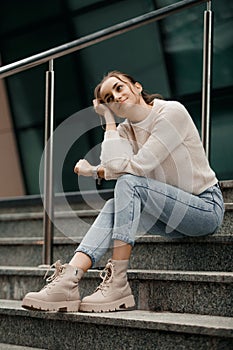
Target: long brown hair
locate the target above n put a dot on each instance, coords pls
(148, 98)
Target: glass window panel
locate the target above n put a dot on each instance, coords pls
(221, 146)
(27, 89)
(68, 94)
(182, 34)
(76, 5)
(223, 44)
(15, 14)
(183, 42)
(32, 42)
(137, 52)
(26, 92)
(221, 137)
(110, 14)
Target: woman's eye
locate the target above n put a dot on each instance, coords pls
(119, 87)
(109, 99)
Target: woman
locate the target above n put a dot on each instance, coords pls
(164, 186)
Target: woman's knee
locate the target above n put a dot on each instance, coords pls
(126, 178)
(108, 206)
(126, 181)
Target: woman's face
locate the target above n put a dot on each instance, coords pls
(121, 95)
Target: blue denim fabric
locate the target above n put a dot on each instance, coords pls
(141, 205)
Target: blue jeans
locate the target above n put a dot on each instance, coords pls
(142, 205)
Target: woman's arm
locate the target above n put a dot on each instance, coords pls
(84, 168)
(105, 112)
(168, 132)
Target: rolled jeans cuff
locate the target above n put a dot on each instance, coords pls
(87, 252)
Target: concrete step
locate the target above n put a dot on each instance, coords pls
(79, 200)
(123, 330)
(212, 253)
(62, 201)
(227, 190)
(30, 224)
(195, 292)
(70, 223)
(16, 347)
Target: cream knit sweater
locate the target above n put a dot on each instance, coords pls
(165, 146)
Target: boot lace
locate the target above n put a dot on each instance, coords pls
(106, 275)
(58, 270)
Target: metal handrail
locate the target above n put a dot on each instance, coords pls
(89, 40)
(95, 38)
(207, 78)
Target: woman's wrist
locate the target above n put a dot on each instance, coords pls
(98, 173)
(110, 126)
(109, 120)
(108, 116)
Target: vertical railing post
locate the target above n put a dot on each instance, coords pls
(48, 168)
(206, 78)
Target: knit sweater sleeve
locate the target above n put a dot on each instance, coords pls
(168, 131)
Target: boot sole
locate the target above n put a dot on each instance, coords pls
(118, 305)
(64, 306)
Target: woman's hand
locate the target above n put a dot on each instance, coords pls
(104, 111)
(100, 108)
(83, 167)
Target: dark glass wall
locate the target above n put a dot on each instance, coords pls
(165, 56)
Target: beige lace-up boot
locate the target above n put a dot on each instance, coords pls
(60, 294)
(114, 293)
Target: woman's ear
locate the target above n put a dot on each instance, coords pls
(138, 87)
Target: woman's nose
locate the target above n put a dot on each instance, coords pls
(117, 96)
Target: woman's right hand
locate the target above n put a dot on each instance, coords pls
(104, 111)
(100, 108)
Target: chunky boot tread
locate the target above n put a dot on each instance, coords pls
(126, 303)
(70, 306)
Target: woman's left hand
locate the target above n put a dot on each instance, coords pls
(83, 167)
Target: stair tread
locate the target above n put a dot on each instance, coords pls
(167, 321)
(179, 275)
(222, 238)
(226, 183)
(59, 214)
(39, 215)
(210, 253)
